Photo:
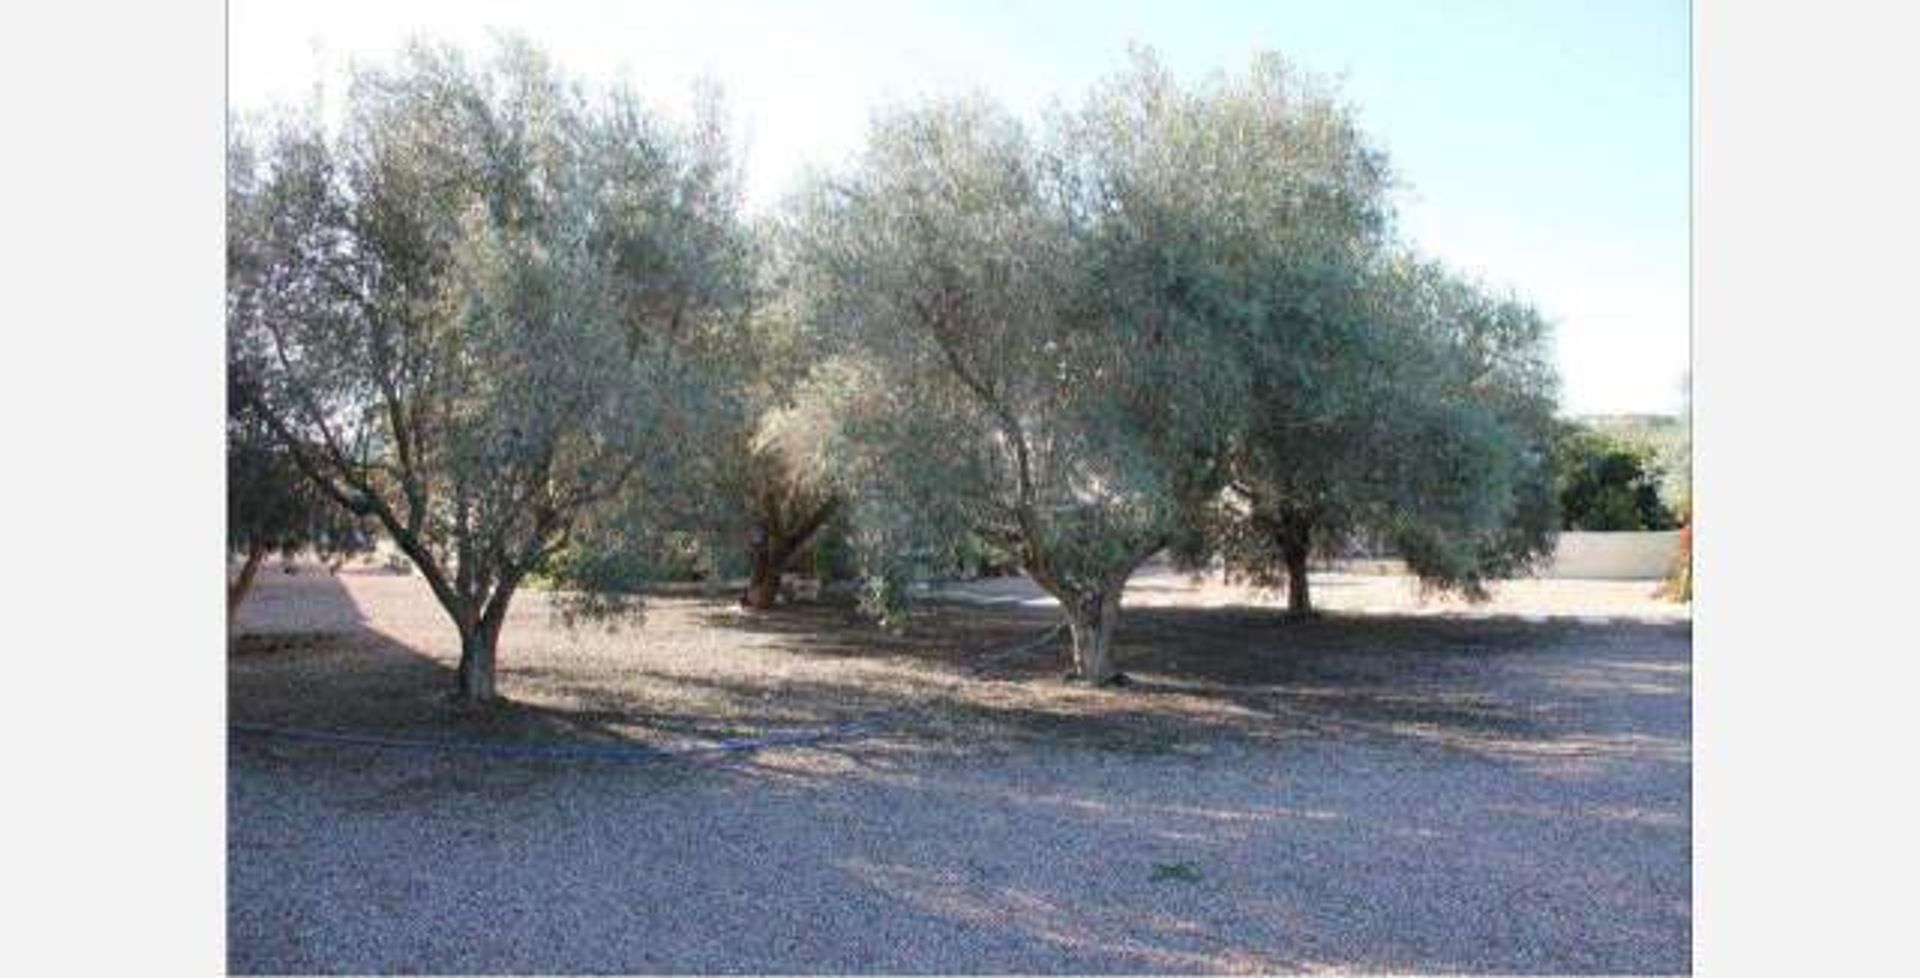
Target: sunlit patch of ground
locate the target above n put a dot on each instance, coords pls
(1159, 585)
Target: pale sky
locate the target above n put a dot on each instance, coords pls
(1542, 144)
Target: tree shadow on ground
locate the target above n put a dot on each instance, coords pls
(1236, 673)
(335, 670)
(1044, 843)
(1201, 678)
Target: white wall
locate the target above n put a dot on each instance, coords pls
(1614, 556)
(1625, 556)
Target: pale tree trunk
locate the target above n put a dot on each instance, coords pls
(1090, 621)
(1091, 604)
(478, 646)
(479, 649)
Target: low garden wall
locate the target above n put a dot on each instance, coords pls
(1614, 556)
(1625, 556)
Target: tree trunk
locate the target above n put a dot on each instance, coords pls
(1293, 532)
(1091, 622)
(479, 649)
(480, 638)
(769, 561)
(1299, 594)
(772, 549)
(238, 587)
(478, 646)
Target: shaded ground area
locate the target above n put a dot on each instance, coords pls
(1379, 793)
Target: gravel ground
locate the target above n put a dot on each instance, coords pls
(1353, 794)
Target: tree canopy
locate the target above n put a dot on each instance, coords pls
(1422, 432)
(995, 397)
(523, 328)
(1176, 315)
(477, 311)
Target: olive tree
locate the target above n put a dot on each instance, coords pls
(476, 312)
(773, 478)
(271, 505)
(1472, 496)
(1429, 434)
(995, 393)
(1244, 212)
(1350, 388)
(759, 490)
(1065, 333)
(789, 504)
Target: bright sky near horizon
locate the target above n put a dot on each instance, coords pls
(1542, 145)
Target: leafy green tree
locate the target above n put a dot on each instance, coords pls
(478, 313)
(1476, 501)
(989, 388)
(1426, 432)
(773, 472)
(788, 504)
(1177, 318)
(1353, 390)
(271, 506)
(759, 495)
(1066, 334)
(1255, 204)
(1608, 484)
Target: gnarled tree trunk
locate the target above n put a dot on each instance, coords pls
(480, 645)
(1294, 535)
(763, 586)
(477, 654)
(479, 648)
(1090, 622)
(772, 549)
(1092, 610)
(1299, 594)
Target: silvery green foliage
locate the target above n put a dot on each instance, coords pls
(1368, 393)
(479, 312)
(1234, 218)
(1076, 341)
(761, 467)
(774, 478)
(996, 398)
(271, 505)
(1429, 432)
(1470, 497)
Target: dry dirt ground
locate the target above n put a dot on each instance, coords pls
(1389, 791)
